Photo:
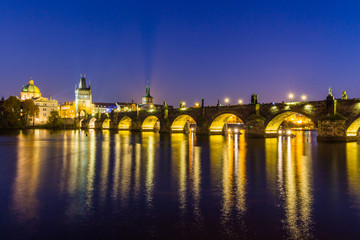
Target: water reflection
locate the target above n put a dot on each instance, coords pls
(179, 184)
(105, 148)
(78, 172)
(28, 177)
(150, 141)
(294, 182)
(125, 157)
(353, 172)
(187, 174)
(228, 157)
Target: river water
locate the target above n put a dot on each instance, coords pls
(120, 185)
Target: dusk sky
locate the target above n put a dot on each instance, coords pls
(187, 50)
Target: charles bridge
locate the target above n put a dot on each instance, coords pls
(335, 120)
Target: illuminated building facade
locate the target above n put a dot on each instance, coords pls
(104, 107)
(67, 110)
(83, 98)
(46, 105)
(125, 107)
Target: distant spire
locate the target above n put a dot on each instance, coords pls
(82, 83)
(81, 75)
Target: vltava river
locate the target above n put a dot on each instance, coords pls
(87, 184)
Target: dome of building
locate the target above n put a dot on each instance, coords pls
(31, 88)
(30, 91)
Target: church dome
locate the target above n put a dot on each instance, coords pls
(31, 88)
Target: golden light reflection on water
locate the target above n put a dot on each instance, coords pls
(240, 172)
(353, 172)
(186, 171)
(79, 170)
(122, 173)
(125, 167)
(179, 152)
(228, 157)
(105, 148)
(28, 177)
(150, 141)
(91, 171)
(87, 172)
(294, 182)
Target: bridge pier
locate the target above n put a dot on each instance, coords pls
(255, 127)
(165, 126)
(334, 131)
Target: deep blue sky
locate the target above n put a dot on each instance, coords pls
(188, 50)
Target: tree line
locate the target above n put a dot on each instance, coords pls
(15, 113)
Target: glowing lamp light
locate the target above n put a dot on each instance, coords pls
(280, 131)
(288, 132)
(240, 101)
(291, 96)
(226, 100)
(303, 97)
(229, 130)
(236, 130)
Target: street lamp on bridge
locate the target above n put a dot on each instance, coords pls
(227, 100)
(291, 96)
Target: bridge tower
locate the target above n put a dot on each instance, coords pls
(83, 97)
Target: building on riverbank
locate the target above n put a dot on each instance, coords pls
(83, 98)
(67, 110)
(46, 105)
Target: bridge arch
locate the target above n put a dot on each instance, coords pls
(106, 123)
(82, 113)
(273, 125)
(150, 123)
(92, 122)
(218, 124)
(353, 128)
(182, 123)
(125, 123)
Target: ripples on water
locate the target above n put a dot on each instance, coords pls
(77, 184)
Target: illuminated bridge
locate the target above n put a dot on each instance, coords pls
(335, 120)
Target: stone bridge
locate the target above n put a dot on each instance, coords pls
(335, 120)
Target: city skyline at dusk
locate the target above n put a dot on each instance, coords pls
(186, 51)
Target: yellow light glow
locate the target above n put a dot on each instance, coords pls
(351, 134)
(271, 131)
(227, 100)
(240, 101)
(291, 95)
(303, 97)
